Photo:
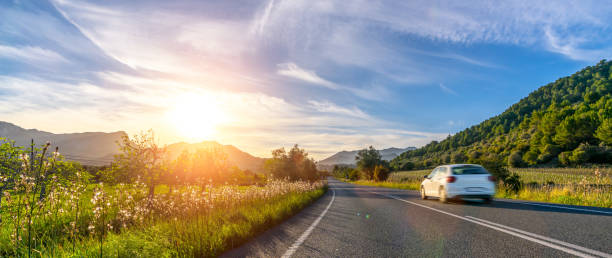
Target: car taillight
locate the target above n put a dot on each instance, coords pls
(492, 178)
(451, 179)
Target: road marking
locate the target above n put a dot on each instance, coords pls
(526, 237)
(559, 207)
(591, 251)
(306, 233)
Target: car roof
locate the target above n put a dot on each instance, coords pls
(459, 165)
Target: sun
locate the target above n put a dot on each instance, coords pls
(196, 117)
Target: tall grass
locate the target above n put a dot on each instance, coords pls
(116, 220)
(206, 235)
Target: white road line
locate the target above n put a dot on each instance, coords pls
(306, 233)
(551, 245)
(558, 207)
(577, 247)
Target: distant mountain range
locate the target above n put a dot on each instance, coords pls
(90, 148)
(97, 148)
(348, 157)
(235, 156)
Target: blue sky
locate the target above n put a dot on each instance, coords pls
(329, 75)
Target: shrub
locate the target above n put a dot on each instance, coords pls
(381, 173)
(531, 157)
(496, 168)
(515, 160)
(513, 183)
(458, 157)
(407, 166)
(564, 158)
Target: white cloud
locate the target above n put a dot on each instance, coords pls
(305, 23)
(30, 54)
(328, 107)
(447, 89)
(294, 71)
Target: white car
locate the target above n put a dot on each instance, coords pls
(459, 181)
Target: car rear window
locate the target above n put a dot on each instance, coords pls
(469, 170)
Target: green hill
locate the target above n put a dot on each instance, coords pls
(567, 122)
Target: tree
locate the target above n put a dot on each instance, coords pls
(367, 159)
(142, 157)
(293, 165)
(604, 132)
(575, 130)
(531, 157)
(515, 159)
(564, 158)
(407, 166)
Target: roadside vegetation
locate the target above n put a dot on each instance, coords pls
(144, 205)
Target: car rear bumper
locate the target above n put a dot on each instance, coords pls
(469, 196)
(461, 193)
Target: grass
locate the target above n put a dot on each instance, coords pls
(571, 195)
(203, 236)
(186, 221)
(388, 184)
(572, 186)
(563, 175)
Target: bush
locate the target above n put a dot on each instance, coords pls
(353, 174)
(564, 158)
(458, 157)
(513, 183)
(381, 173)
(579, 156)
(531, 157)
(515, 160)
(407, 166)
(496, 168)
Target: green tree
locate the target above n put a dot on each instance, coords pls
(293, 165)
(531, 157)
(564, 158)
(458, 157)
(575, 130)
(515, 159)
(604, 132)
(367, 159)
(141, 156)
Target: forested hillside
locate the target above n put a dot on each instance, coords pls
(566, 123)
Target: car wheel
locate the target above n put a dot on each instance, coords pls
(442, 194)
(423, 196)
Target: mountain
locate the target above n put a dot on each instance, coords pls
(348, 157)
(567, 122)
(235, 156)
(90, 148)
(96, 148)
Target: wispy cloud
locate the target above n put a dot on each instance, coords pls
(447, 89)
(328, 107)
(30, 54)
(294, 71)
(570, 46)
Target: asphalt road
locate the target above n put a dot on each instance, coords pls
(360, 221)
